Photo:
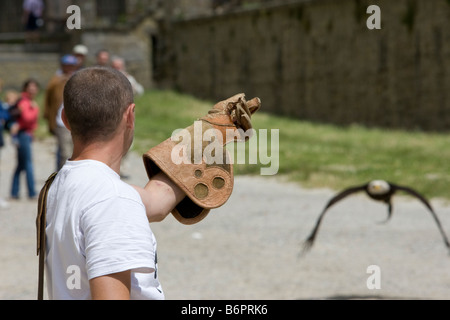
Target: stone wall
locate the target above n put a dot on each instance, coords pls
(18, 62)
(16, 66)
(130, 37)
(317, 60)
(135, 46)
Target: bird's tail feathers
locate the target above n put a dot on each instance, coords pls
(307, 245)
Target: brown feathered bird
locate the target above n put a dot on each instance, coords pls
(378, 190)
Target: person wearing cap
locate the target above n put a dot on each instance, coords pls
(80, 52)
(54, 100)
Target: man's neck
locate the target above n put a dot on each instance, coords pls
(106, 152)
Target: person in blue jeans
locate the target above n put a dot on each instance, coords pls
(28, 122)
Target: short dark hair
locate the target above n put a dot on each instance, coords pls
(95, 100)
(28, 82)
(101, 51)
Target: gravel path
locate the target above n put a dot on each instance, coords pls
(249, 249)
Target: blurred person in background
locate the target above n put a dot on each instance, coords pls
(7, 122)
(102, 57)
(33, 19)
(119, 64)
(138, 90)
(53, 101)
(27, 123)
(80, 52)
(4, 118)
(10, 102)
(65, 144)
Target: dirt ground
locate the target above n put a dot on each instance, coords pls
(250, 248)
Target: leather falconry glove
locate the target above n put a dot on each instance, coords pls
(197, 161)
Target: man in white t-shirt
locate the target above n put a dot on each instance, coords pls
(99, 242)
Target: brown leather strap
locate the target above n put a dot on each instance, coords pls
(40, 228)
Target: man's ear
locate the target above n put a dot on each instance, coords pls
(64, 119)
(130, 115)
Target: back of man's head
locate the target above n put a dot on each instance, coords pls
(95, 100)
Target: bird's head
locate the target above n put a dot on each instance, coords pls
(379, 187)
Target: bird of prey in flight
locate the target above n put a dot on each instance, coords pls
(378, 190)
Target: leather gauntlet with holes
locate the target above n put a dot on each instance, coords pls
(196, 160)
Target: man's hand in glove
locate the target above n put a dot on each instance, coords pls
(205, 186)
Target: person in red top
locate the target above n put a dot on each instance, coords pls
(27, 122)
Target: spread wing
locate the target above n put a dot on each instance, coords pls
(428, 205)
(310, 241)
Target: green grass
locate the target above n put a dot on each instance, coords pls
(159, 113)
(316, 155)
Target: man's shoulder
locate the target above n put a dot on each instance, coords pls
(97, 180)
